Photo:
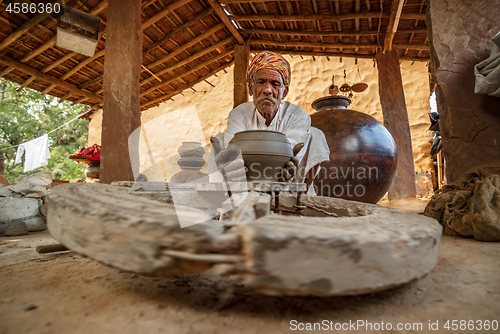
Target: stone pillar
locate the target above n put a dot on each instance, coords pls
(469, 123)
(122, 68)
(241, 59)
(392, 100)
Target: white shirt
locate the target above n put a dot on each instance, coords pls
(36, 153)
(290, 119)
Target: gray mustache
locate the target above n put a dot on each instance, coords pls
(268, 98)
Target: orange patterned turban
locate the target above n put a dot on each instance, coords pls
(270, 60)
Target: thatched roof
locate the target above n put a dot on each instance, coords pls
(188, 41)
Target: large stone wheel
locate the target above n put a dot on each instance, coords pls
(355, 248)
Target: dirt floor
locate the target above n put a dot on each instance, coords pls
(67, 293)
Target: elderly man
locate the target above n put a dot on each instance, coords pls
(268, 78)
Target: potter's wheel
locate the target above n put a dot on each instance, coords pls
(340, 248)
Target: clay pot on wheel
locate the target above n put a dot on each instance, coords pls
(191, 161)
(265, 153)
(363, 157)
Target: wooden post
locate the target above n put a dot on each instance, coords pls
(241, 59)
(122, 68)
(393, 103)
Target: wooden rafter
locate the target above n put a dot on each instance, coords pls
(173, 54)
(51, 42)
(179, 29)
(350, 16)
(187, 45)
(396, 7)
(22, 29)
(164, 12)
(189, 59)
(191, 70)
(337, 54)
(42, 76)
(189, 85)
(312, 44)
(228, 2)
(333, 45)
(101, 53)
(309, 33)
(229, 25)
(180, 42)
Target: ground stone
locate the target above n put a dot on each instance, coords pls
(15, 228)
(363, 248)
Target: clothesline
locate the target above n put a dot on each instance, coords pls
(6, 148)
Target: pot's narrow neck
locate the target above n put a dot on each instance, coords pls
(331, 103)
(331, 108)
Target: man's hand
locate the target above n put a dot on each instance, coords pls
(290, 170)
(229, 162)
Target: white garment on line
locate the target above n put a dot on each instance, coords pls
(36, 153)
(290, 119)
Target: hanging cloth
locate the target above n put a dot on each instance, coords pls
(36, 152)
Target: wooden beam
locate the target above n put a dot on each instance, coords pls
(336, 54)
(412, 31)
(241, 60)
(308, 33)
(183, 47)
(411, 46)
(42, 76)
(76, 68)
(171, 68)
(332, 45)
(229, 25)
(164, 12)
(228, 2)
(51, 42)
(83, 64)
(22, 29)
(311, 44)
(159, 42)
(392, 100)
(187, 60)
(181, 28)
(121, 110)
(6, 71)
(24, 84)
(396, 7)
(189, 71)
(189, 85)
(321, 17)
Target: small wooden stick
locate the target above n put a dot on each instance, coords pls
(51, 248)
(211, 258)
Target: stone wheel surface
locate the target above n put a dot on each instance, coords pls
(354, 249)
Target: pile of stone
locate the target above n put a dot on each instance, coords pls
(20, 204)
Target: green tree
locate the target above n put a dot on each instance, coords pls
(28, 114)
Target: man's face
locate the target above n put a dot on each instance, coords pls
(268, 90)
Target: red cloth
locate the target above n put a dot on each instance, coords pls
(93, 152)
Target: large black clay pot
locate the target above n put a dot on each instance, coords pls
(363, 156)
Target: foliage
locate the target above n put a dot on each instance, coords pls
(27, 115)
